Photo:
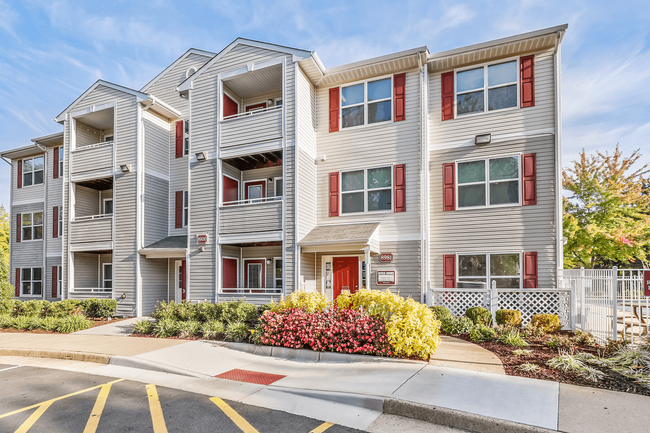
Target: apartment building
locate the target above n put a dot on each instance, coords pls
(257, 171)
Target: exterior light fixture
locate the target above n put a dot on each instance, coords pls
(270, 103)
(125, 168)
(269, 261)
(483, 139)
(200, 156)
(270, 180)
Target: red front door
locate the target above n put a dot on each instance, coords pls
(256, 107)
(229, 277)
(346, 274)
(254, 274)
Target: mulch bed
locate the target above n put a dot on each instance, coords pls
(541, 353)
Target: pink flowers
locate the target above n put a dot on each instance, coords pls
(626, 241)
(346, 331)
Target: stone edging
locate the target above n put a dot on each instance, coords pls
(58, 354)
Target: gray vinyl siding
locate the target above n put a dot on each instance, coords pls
(86, 271)
(255, 128)
(25, 254)
(86, 135)
(25, 194)
(155, 209)
(306, 144)
(165, 87)
(124, 189)
(86, 201)
(251, 218)
(156, 143)
(177, 181)
(154, 283)
(374, 146)
(502, 229)
(54, 198)
(92, 159)
(308, 272)
(47, 284)
(204, 118)
(88, 231)
(406, 259)
(156, 203)
(518, 121)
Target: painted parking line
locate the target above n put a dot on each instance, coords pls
(157, 417)
(95, 415)
(11, 368)
(49, 402)
(321, 428)
(34, 417)
(234, 416)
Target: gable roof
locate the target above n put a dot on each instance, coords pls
(301, 54)
(139, 95)
(155, 79)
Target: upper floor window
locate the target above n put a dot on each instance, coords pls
(107, 277)
(32, 281)
(32, 226)
(60, 222)
(33, 171)
(366, 103)
(61, 161)
(186, 208)
(367, 190)
(481, 269)
(108, 206)
(489, 182)
(487, 88)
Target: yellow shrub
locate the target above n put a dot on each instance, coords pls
(311, 302)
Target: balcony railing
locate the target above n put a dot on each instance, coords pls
(252, 127)
(267, 291)
(92, 158)
(255, 216)
(253, 112)
(252, 201)
(91, 228)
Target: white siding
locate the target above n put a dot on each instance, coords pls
(156, 183)
(250, 218)
(250, 129)
(154, 283)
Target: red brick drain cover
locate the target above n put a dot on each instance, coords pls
(250, 376)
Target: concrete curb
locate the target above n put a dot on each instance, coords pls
(304, 354)
(58, 354)
(456, 418)
(145, 364)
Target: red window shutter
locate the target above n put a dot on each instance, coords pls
(20, 173)
(18, 231)
(529, 174)
(530, 270)
(55, 168)
(334, 194)
(178, 222)
(400, 187)
(334, 109)
(17, 288)
(55, 222)
(399, 87)
(449, 267)
(179, 139)
(184, 280)
(448, 187)
(447, 91)
(527, 71)
(55, 281)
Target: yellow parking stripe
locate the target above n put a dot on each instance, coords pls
(321, 428)
(234, 416)
(157, 417)
(57, 399)
(34, 417)
(93, 420)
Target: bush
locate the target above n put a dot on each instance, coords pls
(239, 311)
(441, 311)
(69, 324)
(335, 330)
(7, 306)
(64, 308)
(237, 331)
(166, 327)
(189, 328)
(479, 316)
(512, 337)
(456, 325)
(59, 324)
(480, 333)
(263, 308)
(308, 301)
(99, 308)
(509, 318)
(30, 308)
(213, 329)
(7, 291)
(547, 323)
(143, 326)
(208, 311)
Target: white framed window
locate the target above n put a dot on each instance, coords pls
(186, 137)
(277, 272)
(481, 269)
(108, 206)
(33, 171)
(367, 102)
(107, 275)
(186, 208)
(61, 153)
(32, 226)
(486, 88)
(254, 275)
(60, 221)
(59, 283)
(367, 190)
(108, 138)
(32, 281)
(278, 186)
(488, 182)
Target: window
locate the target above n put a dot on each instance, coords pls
(186, 208)
(490, 182)
(277, 275)
(61, 161)
(254, 275)
(488, 88)
(33, 171)
(366, 103)
(60, 231)
(32, 225)
(186, 138)
(367, 190)
(107, 276)
(60, 280)
(108, 138)
(32, 281)
(478, 269)
(108, 206)
(278, 187)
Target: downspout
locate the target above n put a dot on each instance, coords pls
(558, 154)
(424, 180)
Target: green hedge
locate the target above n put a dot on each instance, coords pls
(92, 308)
(59, 324)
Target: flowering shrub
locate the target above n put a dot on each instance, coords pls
(334, 330)
(310, 302)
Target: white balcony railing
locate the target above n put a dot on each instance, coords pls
(253, 112)
(250, 201)
(93, 217)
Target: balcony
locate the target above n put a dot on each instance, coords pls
(96, 158)
(252, 127)
(248, 216)
(252, 271)
(89, 233)
(92, 275)
(93, 140)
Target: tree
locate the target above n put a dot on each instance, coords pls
(6, 289)
(607, 213)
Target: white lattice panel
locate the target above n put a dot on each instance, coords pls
(530, 303)
(459, 301)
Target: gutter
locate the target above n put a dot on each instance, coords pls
(559, 207)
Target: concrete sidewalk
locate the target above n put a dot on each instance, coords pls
(356, 393)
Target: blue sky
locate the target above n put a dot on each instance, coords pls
(51, 51)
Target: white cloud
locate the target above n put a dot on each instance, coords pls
(8, 18)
